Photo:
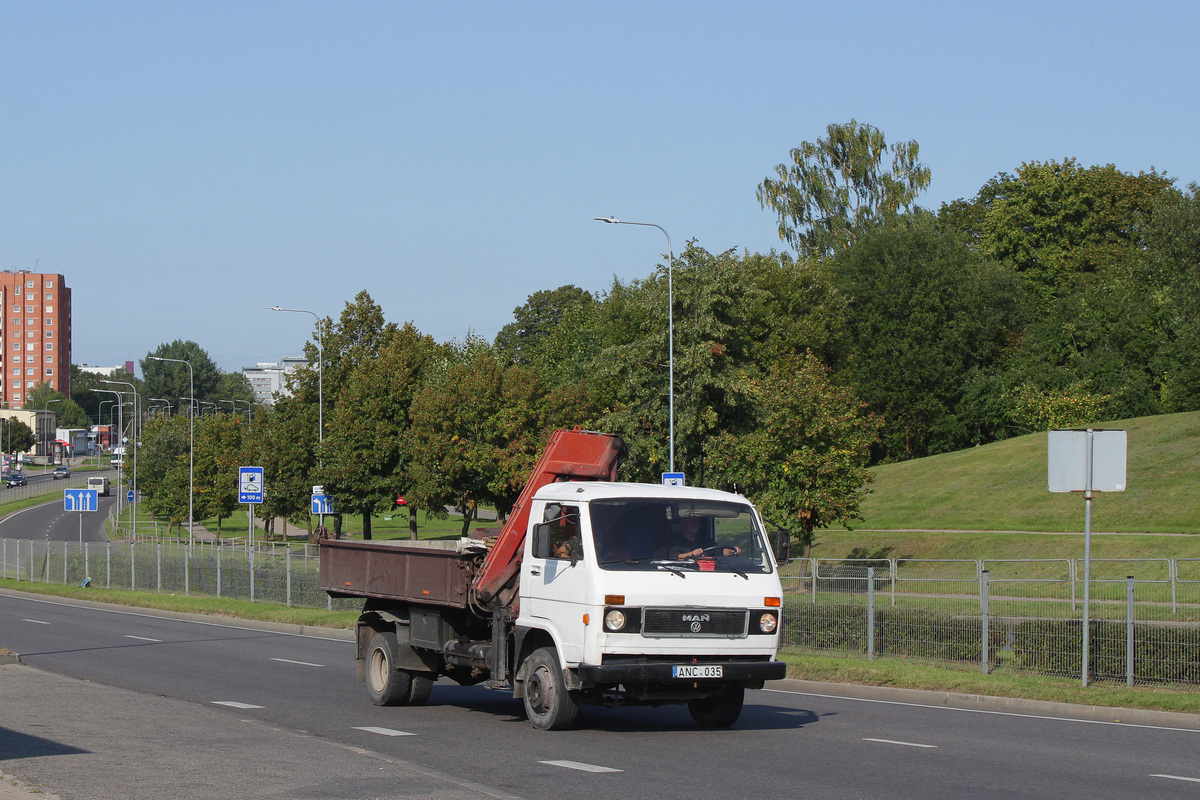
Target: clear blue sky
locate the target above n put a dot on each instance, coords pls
(186, 164)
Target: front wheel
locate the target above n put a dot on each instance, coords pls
(719, 710)
(387, 685)
(548, 704)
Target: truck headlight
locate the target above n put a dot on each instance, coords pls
(614, 620)
(767, 622)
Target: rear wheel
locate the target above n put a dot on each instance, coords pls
(548, 704)
(720, 710)
(387, 685)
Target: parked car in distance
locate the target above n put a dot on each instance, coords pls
(62, 471)
(17, 479)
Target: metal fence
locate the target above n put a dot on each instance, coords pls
(994, 615)
(273, 572)
(1003, 615)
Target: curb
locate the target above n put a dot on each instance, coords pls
(9, 658)
(992, 704)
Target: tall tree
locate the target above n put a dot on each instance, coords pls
(926, 316)
(1056, 222)
(172, 380)
(535, 322)
(366, 462)
(804, 459)
(836, 185)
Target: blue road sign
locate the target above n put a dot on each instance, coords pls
(672, 479)
(250, 484)
(81, 500)
(129, 495)
(322, 504)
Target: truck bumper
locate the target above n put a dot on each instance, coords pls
(743, 672)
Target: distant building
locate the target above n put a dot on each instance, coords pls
(107, 372)
(268, 377)
(35, 312)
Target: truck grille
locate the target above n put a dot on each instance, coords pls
(728, 623)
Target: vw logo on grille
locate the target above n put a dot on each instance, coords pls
(696, 626)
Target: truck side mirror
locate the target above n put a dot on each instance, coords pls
(541, 540)
(783, 545)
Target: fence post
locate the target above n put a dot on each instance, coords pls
(187, 569)
(65, 560)
(287, 548)
(871, 613)
(1129, 631)
(46, 564)
(108, 565)
(250, 564)
(158, 575)
(220, 548)
(1174, 578)
(813, 565)
(132, 564)
(984, 594)
(4, 556)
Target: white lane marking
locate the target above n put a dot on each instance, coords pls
(984, 711)
(141, 638)
(36, 621)
(905, 744)
(301, 663)
(1177, 778)
(580, 766)
(234, 704)
(384, 731)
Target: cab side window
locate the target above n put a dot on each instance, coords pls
(566, 541)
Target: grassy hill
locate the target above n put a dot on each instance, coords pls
(1002, 486)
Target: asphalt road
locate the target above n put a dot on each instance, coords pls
(231, 702)
(50, 521)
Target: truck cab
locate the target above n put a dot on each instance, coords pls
(650, 594)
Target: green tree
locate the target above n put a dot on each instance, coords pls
(67, 412)
(366, 460)
(835, 186)
(282, 441)
(219, 454)
(804, 458)
(172, 380)
(927, 316)
(1055, 222)
(535, 322)
(477, 428)
(15, 436)
(162, 468)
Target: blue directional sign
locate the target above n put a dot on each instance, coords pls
(322, 504)
(250, 484)
(672, 479)
(129, 495)
(81, 500)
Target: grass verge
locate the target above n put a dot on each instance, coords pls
(907, 674)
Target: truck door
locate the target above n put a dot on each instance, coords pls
(556, 586)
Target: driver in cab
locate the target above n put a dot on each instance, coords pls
(687, 542)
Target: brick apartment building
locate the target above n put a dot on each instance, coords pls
(35, 314)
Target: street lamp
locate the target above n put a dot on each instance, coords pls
(163, 400)
(670, 325)
(191, 436)
(119, 405)
(320, 370)
(136, 418)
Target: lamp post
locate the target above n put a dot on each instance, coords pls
(163, 400)
(320, 370)
(191, 436)
(136, 418)
(670, 326)
(119, 405)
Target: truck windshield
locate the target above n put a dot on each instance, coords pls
(681, 535)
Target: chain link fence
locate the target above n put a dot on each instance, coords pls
(1008, 615)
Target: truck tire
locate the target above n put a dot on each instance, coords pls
(387, 685)
(720, 710)
(548, 704)
(422, 686)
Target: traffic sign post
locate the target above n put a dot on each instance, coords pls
(250, 491)
(81, 500)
